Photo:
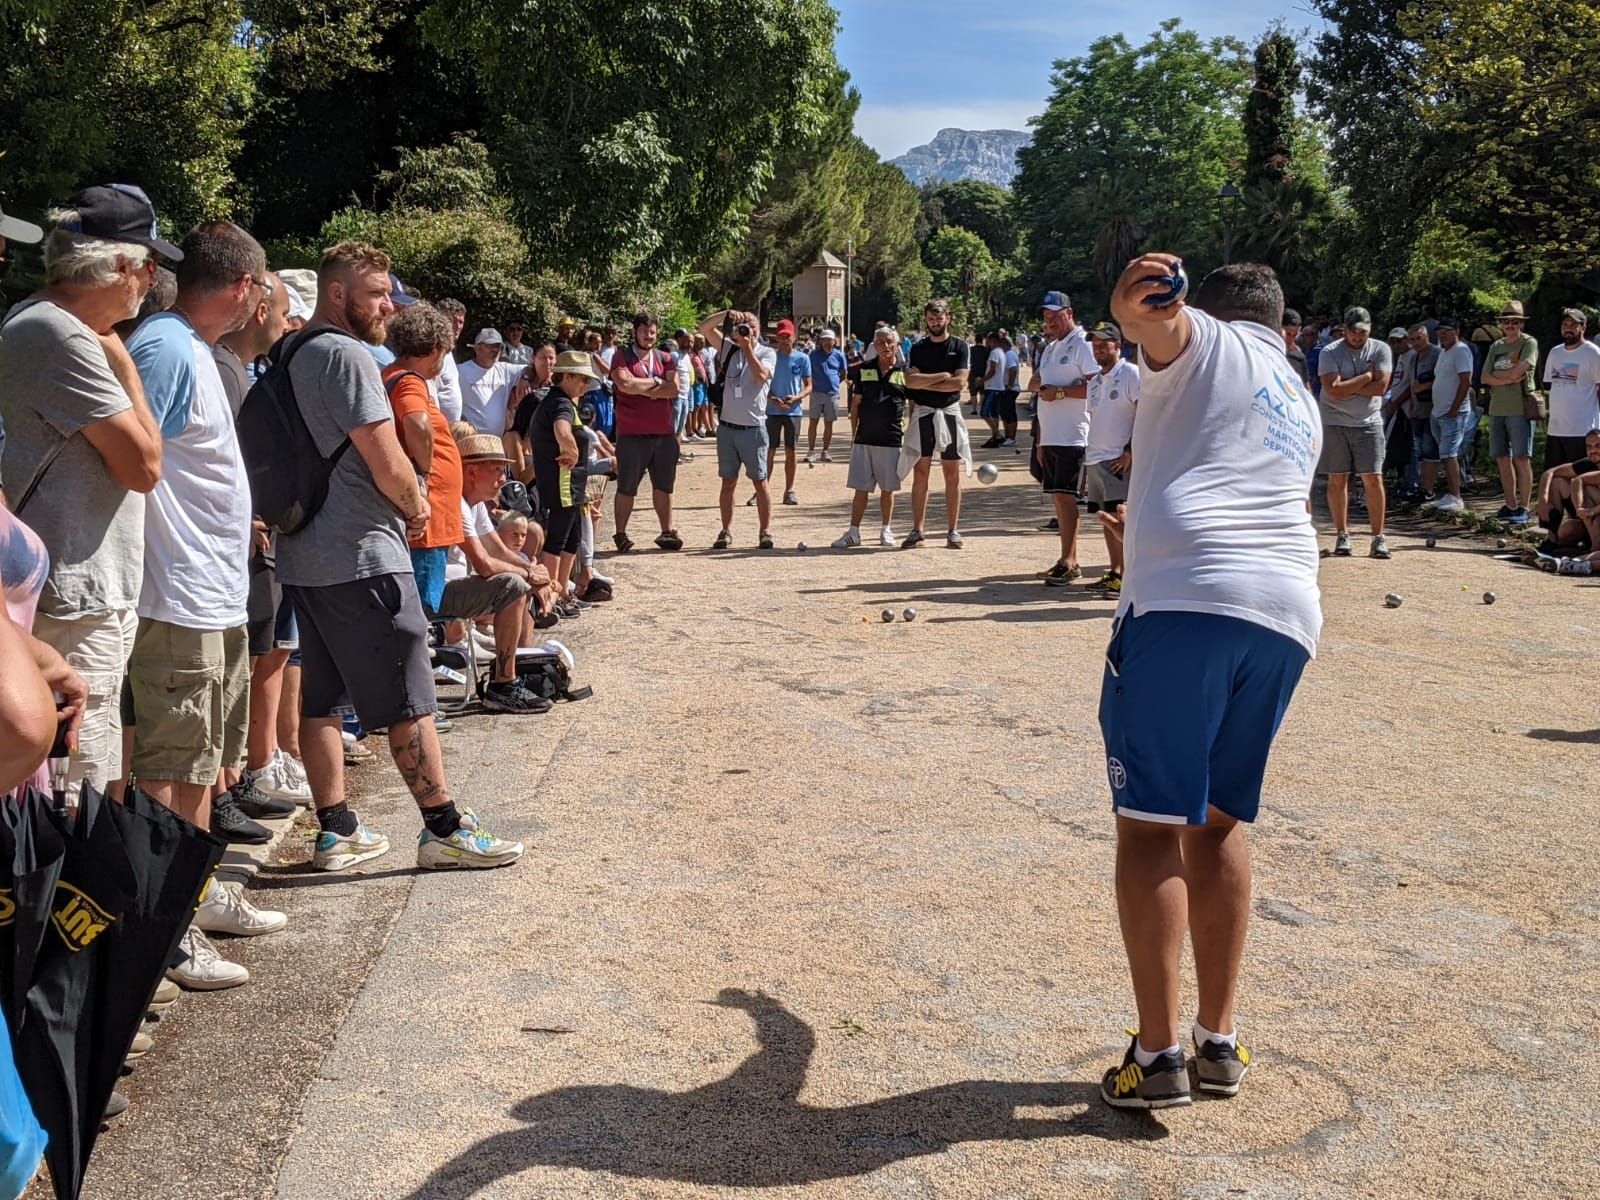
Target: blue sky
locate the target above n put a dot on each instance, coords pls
(922, 65)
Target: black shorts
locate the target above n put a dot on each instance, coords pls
(1007, 403)
(1061, 472)
(261, 608)
(784, 429)
(563, 529)
(364, 643)
(638, 453)
(1559, 451)
(929, 439)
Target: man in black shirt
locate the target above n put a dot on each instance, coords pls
(977, 363)
(877, 414)
(1291, 346)
(936, 376)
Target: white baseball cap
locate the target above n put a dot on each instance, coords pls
(488, 337)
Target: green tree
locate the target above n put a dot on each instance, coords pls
(649, 132)
(975, 204)
(153, 94)
(1162, 121)
(1269, 109)
(963, 270)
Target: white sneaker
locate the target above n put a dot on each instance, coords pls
(886, 537)
(225, 910)
(811, 457)
(201, 968)
(293, 767)
(851, 539)
(275, 780)
(826, 457)
(483, 642)
(335, 852)
(471, 845)
(1449, 503)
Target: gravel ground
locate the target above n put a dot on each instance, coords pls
(822, 906)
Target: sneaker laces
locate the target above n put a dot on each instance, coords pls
(202, 954)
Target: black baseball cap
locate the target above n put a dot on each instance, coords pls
(1105, 331)
(1449, 323)
(119, 212)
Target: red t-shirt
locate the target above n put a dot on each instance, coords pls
(644, 415)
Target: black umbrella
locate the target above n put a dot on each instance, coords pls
(31, 851)
(129, 880)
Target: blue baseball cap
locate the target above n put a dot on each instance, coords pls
(398, 293)
(1054, 301)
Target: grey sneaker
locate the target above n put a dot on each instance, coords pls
(1341, 545)
(1380, 547)
(953, 540)
(1219, 1068)
(912, 540)
(1163, 1084)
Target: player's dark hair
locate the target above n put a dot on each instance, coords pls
(1242, 292)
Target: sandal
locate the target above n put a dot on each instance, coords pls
(724, 540)
(623, 541)
(669, 540)
(766, 540)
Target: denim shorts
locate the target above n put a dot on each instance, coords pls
(1510, 437)
(1448, 432)
(1423, 444)
(744, 446)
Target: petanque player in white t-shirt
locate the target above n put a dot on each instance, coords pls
(1219, 615)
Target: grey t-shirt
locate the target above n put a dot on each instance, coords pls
(54, 380)
(357, 533)
(744, 398)
(1339, 359)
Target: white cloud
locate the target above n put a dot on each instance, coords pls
(892, 129)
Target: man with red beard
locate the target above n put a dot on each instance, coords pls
(363, 635)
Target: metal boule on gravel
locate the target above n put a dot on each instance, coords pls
(1392, 600)
(988, 473)
(888, 616)
(802, 547)
(1488, 597)
(1432, 541)
(1501, 544)
(910, 614)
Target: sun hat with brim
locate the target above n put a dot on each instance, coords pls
(16, 230)
(482, 447)
(575, 362)
(1513, 312)
(118, 212)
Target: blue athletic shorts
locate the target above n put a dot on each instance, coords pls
(1189, 707)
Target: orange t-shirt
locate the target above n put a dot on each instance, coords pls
(409, 394)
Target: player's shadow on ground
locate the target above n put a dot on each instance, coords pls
(750, 1129)
(1581, 736)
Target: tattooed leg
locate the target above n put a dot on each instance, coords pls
(415, 746)
(507, 633)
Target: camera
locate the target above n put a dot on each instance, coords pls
(742, 329)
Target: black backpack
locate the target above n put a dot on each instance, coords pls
(545, 674)
(288, 474)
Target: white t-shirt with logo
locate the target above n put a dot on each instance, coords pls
(1068, 361)
(1226, 442)
(1113, 400)
(1447, 372)
(485, 393)
(197, 517)
(1573, 376)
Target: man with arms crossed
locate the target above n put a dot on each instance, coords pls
(1113, 400)
(1210, 639)
(1063, 409)
(646, 380)
(936, 376)
(1452, 408)
(1355, 375)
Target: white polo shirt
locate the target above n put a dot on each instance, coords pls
(1068, 361)
(1113, 397)
(1226, 441)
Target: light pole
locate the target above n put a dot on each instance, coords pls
(849, 284)
(1228, 198)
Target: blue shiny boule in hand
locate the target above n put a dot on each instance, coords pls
(1177, 287)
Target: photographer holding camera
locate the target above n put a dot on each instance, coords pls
(745, 367)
